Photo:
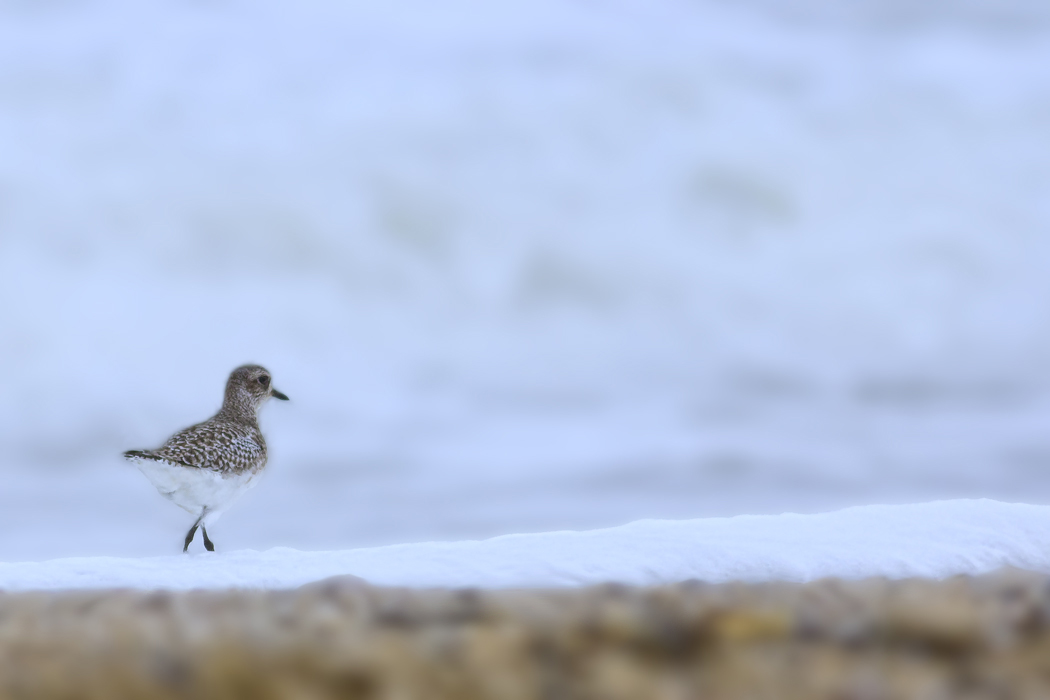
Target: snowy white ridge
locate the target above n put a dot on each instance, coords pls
(935, 539)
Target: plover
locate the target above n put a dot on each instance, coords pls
(206, 467)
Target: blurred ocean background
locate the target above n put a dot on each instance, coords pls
(521, 266)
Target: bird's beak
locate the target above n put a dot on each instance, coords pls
(278, 395)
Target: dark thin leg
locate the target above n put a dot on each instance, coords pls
(190, 534)
(207, 543)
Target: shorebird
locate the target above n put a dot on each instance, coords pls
(204, 468)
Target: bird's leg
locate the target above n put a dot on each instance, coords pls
(207, 543)
(192, 532)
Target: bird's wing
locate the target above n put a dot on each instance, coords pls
(212, 445)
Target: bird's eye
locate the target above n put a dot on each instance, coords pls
(264, 380)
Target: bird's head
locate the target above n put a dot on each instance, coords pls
(248, 388)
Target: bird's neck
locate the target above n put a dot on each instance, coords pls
(240, 408)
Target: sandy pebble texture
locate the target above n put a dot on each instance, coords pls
(965, 637)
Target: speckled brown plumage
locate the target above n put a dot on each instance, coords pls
(228, 442)
(215, 444)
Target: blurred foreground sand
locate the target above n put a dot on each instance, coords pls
(966, 637)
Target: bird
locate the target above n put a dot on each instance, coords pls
(204, 468)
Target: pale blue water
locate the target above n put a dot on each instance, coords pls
(539, 267)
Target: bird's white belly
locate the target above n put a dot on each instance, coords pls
(195, 489)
